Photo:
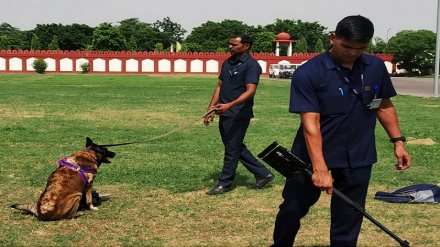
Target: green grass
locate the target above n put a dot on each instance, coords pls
(158, 185)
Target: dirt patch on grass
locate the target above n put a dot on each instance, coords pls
(138, 117)
(426, 141)
(18, 113)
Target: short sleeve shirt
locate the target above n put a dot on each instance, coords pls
(347, 127)
(234, 76)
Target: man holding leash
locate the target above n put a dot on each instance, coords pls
(233, 99)
(339, 95)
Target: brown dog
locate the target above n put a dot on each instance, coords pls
(68, 183)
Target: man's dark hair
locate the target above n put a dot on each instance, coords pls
(245, 39)
(355, 28)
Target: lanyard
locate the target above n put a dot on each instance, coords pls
(234, 72)
(348, 82)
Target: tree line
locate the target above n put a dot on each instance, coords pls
(414, 51)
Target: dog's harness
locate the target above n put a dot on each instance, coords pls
(81, 170)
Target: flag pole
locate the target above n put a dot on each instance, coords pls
(437, 53)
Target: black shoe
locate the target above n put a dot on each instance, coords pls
(218, 190)
(260, 183)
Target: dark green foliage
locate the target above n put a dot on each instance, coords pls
(158, 47)
(213, 35)
(319, 47)
(301, 45)
(39, 65)
(173, 30)
(376, 46)
(131, 45)
(191, 47)
(141, 33)
(85, 67)
(35, 42)
(69, 37)
(54, 44)
(263, 42)
(108, 38)
(414, 51)
(11, 37)
(4, 43)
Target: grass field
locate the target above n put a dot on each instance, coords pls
(158, 187)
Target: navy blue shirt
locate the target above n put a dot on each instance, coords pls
(234, 76)
(347, 127)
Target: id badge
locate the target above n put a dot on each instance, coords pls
(375, 103)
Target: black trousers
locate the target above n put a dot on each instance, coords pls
(300, 194)
(232, 132)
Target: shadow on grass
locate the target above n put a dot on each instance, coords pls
(241, 179)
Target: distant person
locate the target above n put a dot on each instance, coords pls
(339, 95)
(233, 99)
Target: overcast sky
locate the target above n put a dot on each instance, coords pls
(389, 16)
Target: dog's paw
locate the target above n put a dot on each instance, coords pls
(93, 207)
(79, 213)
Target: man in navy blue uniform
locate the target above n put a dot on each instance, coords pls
(233, 99)
(339, 95)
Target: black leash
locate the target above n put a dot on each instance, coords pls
(166, 134)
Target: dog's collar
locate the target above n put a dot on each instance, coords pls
(81, 170)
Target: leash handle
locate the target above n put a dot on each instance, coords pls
(209, 112)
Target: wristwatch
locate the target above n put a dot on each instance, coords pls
(400, 138)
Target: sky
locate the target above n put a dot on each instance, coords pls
(388, 16)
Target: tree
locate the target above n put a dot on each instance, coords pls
(158, 47)
(280, 26)
(191, 47)
(70, 37)
(312, 32)
(75, 37)
(414, 51)
(46, 32)
(15, 39)
(214, 35)
(54, 44)
(376, 45)
(263, 42)
(131, 45)
(172, 29)
(142, 33)
(108, 38)
(4, 43)
(35, 42)
(319, 47)
(301, 46)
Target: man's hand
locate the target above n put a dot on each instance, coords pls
(222, 108)
(403, 157)
(323, 180)
(209, 117)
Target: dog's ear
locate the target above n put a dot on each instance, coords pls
(89, 142)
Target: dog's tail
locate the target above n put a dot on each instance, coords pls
(27, 208)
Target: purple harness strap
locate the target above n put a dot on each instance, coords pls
(62, 162)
